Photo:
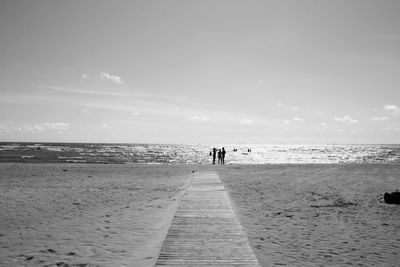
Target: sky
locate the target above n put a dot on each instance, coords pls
(200, 72)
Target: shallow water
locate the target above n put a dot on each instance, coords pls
(196, 154)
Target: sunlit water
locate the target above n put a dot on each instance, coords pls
(197, 154)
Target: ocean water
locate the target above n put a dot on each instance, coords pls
(197, 154)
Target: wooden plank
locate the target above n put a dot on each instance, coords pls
(205, 230)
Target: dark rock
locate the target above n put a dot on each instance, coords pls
(392, 198)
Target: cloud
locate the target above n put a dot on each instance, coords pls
(60, 126)
(377, 118)
(114, 78)
(297, 119)
(393, 126)
(105, 125)
(55, 126)
(294, 108)
(392, 108)
(31, 129)
(84, 76)
(294, 119)
(135, 113)
(245, 121)
(198, 118)
(79, 91)
(346, 119)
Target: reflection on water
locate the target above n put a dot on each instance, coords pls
(199, 154)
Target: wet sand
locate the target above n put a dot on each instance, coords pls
(119, 214)
(318, 215)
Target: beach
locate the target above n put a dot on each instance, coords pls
(318, 215)
(119, 214)
(86, 214)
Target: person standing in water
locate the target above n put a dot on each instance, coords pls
(223, 152)
(219, 156)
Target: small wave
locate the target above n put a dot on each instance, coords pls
(76, 161)
(61, 157)
(28, 156)
(9, 147)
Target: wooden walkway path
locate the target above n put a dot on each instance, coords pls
(205, 230)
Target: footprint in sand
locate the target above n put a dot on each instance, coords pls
(50, 250)
(62, 264)
(24, 258)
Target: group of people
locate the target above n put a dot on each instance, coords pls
(220, 154)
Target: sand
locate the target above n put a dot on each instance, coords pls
(318, 215)
(86, 214)
(119, 214)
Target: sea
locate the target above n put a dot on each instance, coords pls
(197, 154)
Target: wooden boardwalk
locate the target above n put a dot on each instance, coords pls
(205, 230)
